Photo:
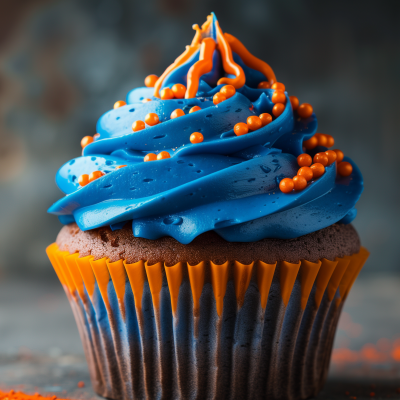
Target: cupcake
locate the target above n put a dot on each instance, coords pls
(208, 248)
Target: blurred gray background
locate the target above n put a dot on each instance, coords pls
(64, 63)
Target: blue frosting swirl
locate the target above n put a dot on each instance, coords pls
(227, 183)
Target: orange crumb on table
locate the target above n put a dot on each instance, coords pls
(12, 395)
(81, 384)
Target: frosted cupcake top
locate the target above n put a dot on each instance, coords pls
(215, 143)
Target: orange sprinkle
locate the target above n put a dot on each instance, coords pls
(306, 172)
(278, 109)
(254, 123)
(318, 170)
(151, 119)
(119, 104)
(311, 143)
(278, 97)
(150, 80)
(177, 113)
(120, 166)
(83, 180)
(321, 158)
(264, 85)
(163, 155)
(179, 90)
(166, 94)
(330, 141)
(265, 118)
(331, 156)
(196, 137)
(146, 100)
(218, 98)
(344, 168)
(138, 125)
(286, 185)
(339, 155)
(81, 384)
(228, 91)
(305, 110)
(95, 175)
(240, 129)
(304, 160)
(150, 157)
(194, 109)
(322, 139)
(278, 86)
(300, 182)
(85, 141)
(294, 101)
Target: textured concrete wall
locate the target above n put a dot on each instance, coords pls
(65, 62)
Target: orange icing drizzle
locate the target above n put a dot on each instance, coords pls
(174, 278)
(242, 276)
(201, 67)
(227, 61)
(288, 276)
(226, 43)
(248, 58)
(308, 273)
(324, 276)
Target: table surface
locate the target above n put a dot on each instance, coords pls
(41, 351)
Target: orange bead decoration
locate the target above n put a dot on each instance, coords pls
(138, 126)
(228, 91)
(150, 80)
(151, 119)
(146, 100)
(300, 182)
(150, 157)
(85, 141)
(95, 175)
(306, 172)
(278, 109)
(344, 168)
(331, 156)
(286, 185)
(254, 123)
(163, 155)
(121, 166)
(330, 141)
(311, 143)
(196, 137)
(321, 158)
(218, 98)
(177, 113)
(179, 90)
(166, 94)
(278, 86)
(294, 101)
(119, 104)
(265, 118)
(304, 160)
(339, 155)
(322, 139)
(83, 180)
(318, 170)
(240, 129)
(264, 85)
(194, 109)
(278, 97)
(305, 110)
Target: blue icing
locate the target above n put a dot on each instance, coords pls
(227, 183)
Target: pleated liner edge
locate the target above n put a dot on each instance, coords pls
(206, 331)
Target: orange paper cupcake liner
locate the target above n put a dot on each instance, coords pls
(207, 330)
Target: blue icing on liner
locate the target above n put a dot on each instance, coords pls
(227, 183)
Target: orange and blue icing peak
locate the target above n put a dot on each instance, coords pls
(214, 143)
(211, 57)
